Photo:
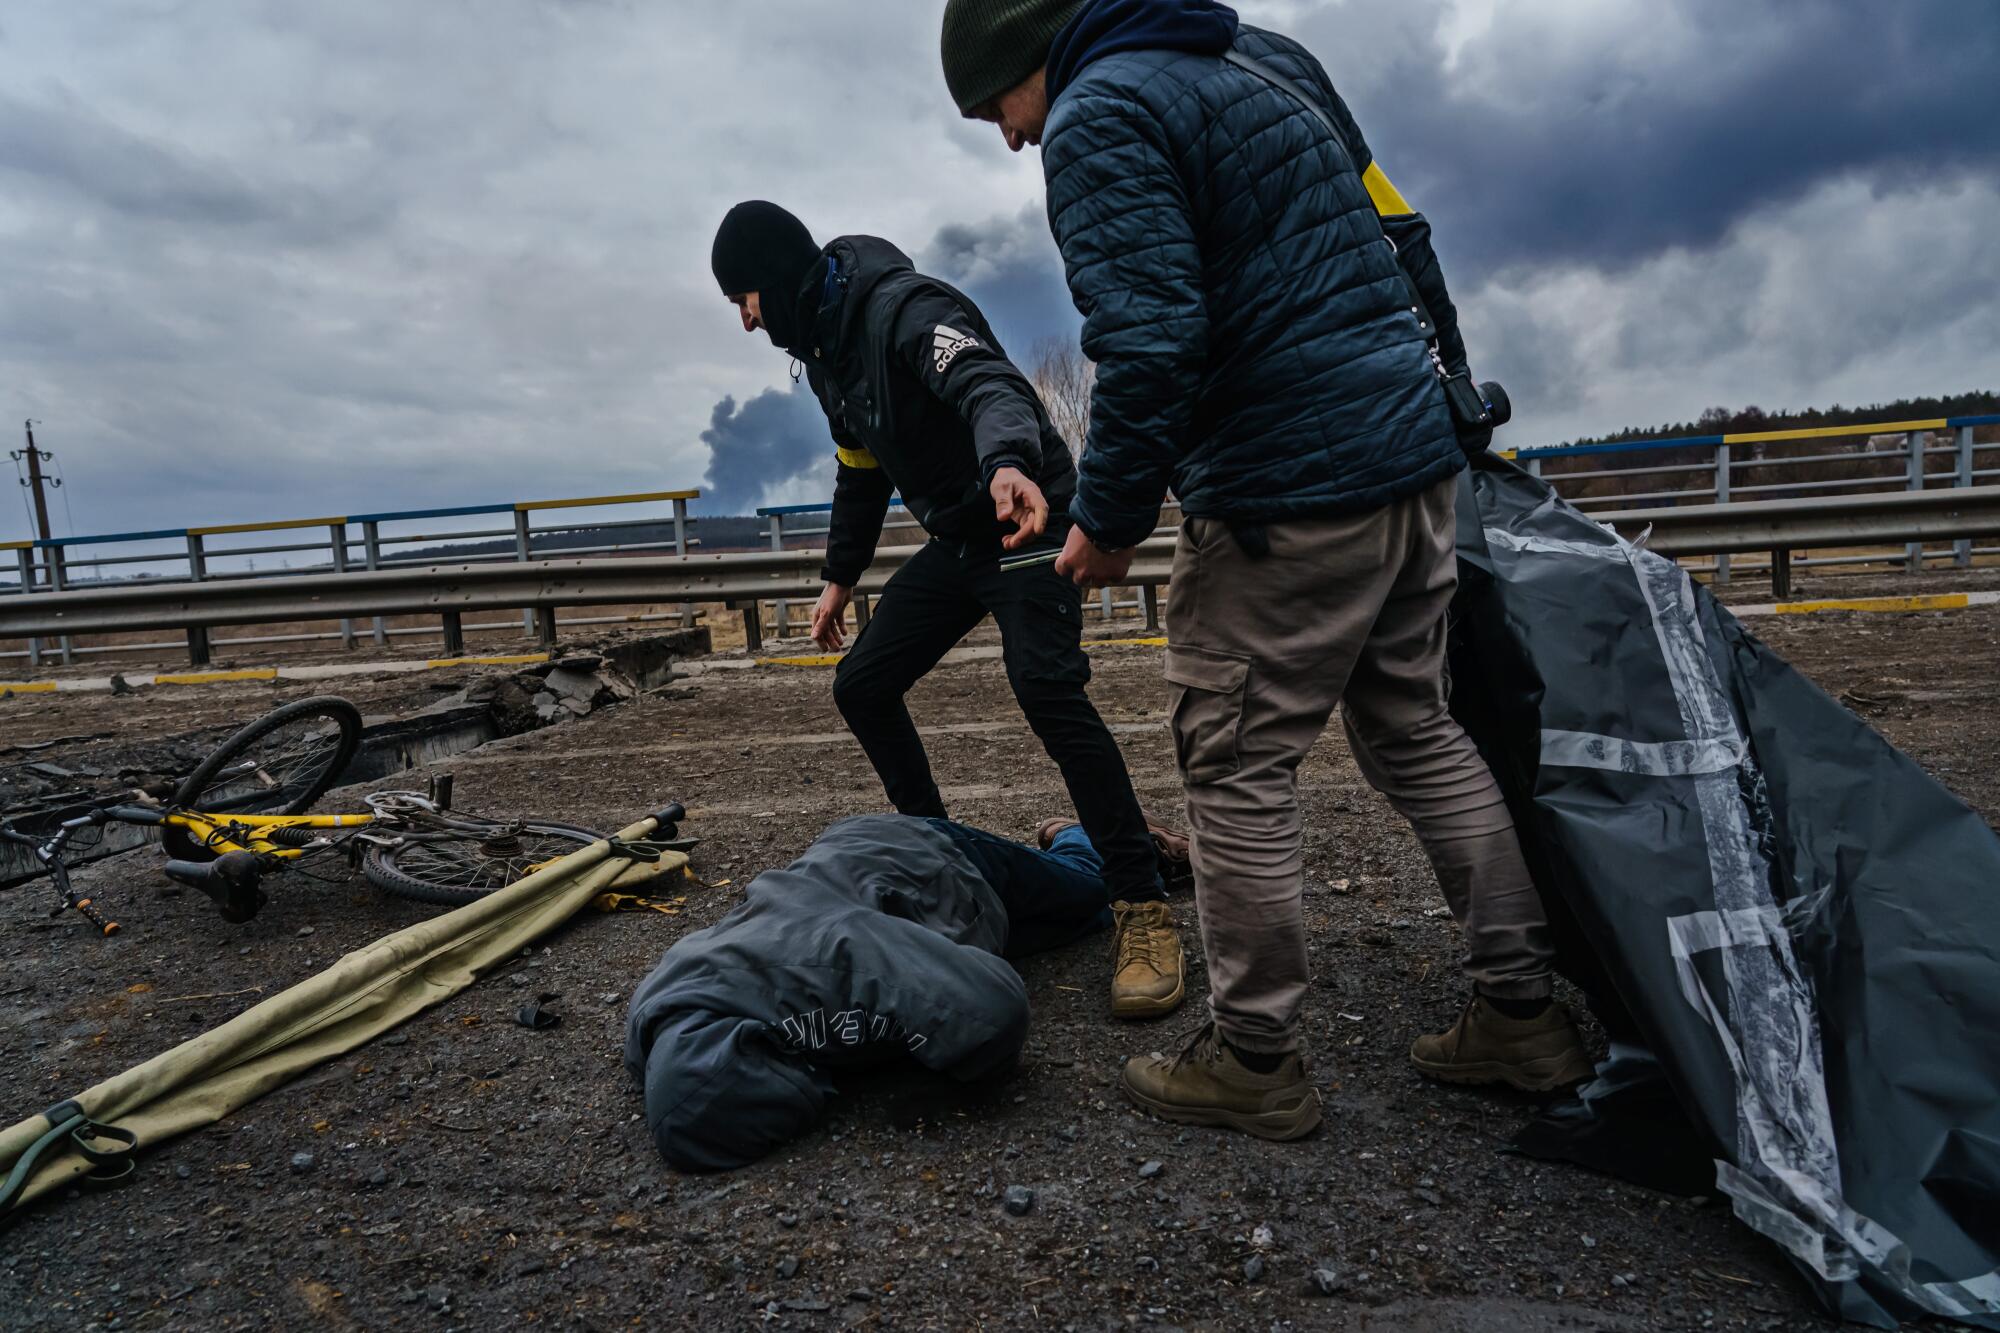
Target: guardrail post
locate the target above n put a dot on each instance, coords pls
(753, 624)
(371, 552)
(197, 635)
(1149, 605)
(1781, 573)
(1913, 553)
(58, 581)
(338, 533)
(860, 612)
(523, 551)
(1722, 497)
(778, 544)
(545, 625)
(1961, 550)
(1104, 604)
(681, 549)
(27, 560)
(454, 634)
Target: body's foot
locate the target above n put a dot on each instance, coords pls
(1149, 978)
(1169, 848)
(1538, 1054)
(1206, 1084)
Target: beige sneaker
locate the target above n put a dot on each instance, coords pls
(1537, 1054)
(1149, 977)
(1205, 1084)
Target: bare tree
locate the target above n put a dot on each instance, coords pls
(1063, 377)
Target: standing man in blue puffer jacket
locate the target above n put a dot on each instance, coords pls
(1257, 351)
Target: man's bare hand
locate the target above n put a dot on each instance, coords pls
(827, 630)
(1019, 501)
(1090, 567)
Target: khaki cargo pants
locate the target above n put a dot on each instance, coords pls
(1348, 611)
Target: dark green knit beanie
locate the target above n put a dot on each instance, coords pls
(992, 45)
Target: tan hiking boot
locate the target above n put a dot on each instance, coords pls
(1149, 977)
(1170, 849)
(1537, 1054)
(1205, 1084)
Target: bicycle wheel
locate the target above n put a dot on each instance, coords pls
(455, 867)
(278, 765)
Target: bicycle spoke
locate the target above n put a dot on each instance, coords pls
(287, 762)
(469, 861)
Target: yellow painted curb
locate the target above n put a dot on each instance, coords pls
(833, 659)
(27, 687)
(525, 659)
(1951, 601)
(217, 677)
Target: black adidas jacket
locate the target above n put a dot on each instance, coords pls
(921, 400)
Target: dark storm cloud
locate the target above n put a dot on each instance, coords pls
(263, 261)
(776, 438)
(1547, 141)
(1010, 266)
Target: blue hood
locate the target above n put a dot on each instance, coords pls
(1103, 27)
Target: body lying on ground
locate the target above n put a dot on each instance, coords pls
(886, 940)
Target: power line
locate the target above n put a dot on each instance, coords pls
(62, 484)
(27, 511)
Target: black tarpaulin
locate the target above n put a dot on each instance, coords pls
(1797, 922)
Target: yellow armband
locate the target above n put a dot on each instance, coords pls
(1388, 201)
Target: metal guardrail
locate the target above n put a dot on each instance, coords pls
(744, 579)
(789, 522)
(53, 565)
(1784, 526)
(1730, 472)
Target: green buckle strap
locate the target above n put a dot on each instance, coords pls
(110, 1166)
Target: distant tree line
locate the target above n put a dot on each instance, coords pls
(1725, 421)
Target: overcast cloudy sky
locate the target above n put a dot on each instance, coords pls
(285, 259)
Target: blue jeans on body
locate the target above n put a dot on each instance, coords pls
(1052, 897)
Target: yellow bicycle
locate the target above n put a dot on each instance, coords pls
(242, 814)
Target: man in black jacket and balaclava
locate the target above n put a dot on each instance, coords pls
(921, 399)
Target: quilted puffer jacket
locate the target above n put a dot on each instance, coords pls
(1255, 348)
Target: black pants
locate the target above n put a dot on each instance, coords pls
(928, 606)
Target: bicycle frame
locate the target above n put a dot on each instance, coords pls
(237, 848)
(214, 832)
(217, 833)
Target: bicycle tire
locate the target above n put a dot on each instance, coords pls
(293, 796)
(423, 870)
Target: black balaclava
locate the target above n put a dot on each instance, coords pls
(762, 248)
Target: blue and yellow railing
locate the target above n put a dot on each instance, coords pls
(53, 563)
(1729, 465)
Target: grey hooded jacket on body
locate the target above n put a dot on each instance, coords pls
(881, 941)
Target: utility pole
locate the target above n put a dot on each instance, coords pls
(36, 481)
(38, 485)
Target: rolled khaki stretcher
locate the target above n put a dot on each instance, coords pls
(360, 997)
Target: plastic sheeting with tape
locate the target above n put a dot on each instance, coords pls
(1774, 911)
